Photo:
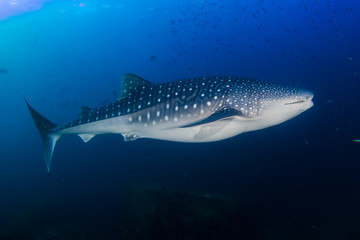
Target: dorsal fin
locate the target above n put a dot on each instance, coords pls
(130, 83)
(84, 110)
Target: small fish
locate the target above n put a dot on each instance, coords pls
(356, 140)
(152, 58)
(3, 70)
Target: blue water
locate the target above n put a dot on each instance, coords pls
(297, 180)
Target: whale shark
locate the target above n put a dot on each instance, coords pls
(202, 109)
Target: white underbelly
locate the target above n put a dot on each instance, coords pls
(210, 132)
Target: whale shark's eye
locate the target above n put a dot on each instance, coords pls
(300, 101)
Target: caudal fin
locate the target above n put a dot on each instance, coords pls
(48, 135)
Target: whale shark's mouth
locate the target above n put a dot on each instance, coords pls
(296, 102)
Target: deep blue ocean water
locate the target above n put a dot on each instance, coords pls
(297, 180)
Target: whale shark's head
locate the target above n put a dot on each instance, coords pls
(285, 105)
(267, 104)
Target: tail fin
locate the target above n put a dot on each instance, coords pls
(48, 135)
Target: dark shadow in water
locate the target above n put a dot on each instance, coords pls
(3, 70)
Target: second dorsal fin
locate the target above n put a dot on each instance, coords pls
(130, 83)
(84, 111)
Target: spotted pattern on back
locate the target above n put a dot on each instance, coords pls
(196, 97)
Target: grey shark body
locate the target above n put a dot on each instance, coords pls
(202, 109)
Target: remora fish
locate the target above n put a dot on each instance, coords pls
(202, 109)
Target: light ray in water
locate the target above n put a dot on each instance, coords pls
(10, 8)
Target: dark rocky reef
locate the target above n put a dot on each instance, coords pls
(161, 212)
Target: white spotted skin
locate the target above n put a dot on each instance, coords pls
(163, 111)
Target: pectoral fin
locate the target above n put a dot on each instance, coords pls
(222, 113)
(210, 129)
